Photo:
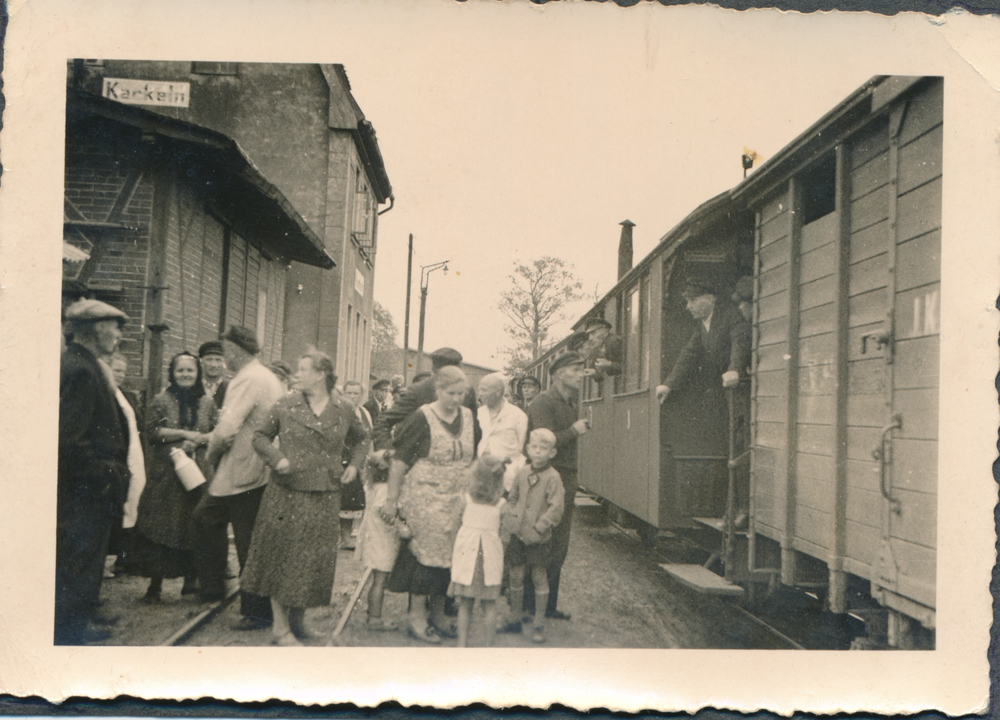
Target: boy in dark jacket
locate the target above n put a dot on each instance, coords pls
(536, 506)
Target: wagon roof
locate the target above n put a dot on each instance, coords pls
(871, 96)
(249, 189)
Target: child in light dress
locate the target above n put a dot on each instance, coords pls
(477, 560)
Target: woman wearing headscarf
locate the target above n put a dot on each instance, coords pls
(433, 449)
(181, 416)
(293, 553)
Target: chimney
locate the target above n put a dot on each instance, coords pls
(625, 249)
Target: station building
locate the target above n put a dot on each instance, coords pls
(203, 194)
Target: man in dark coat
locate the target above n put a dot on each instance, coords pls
(602, 351)
(93, 469)
(720, 347)
(556, 410)
(213, 371)
(376, 403)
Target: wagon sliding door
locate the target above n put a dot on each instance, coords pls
(894, 291)
(846, 356)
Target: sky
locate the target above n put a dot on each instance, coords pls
(500, 152)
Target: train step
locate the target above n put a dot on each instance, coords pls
(702, 580)
(717, 524)
(582, 500)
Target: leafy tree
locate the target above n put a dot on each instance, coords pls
(540, 291)
(387, 358)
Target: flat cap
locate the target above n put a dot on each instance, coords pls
(243, 337)
(529, 380)
(212, 347)
(94, 310)
(597, 322)
(567, 358)
(382, 384)
(696, 288)
(446, 356)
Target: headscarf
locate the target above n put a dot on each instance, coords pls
(187, 398)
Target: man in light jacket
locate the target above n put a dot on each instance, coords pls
(235, 490)
(504, 426)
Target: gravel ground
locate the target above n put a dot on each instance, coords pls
(611, 585)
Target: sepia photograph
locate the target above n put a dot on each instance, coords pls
(507, 348)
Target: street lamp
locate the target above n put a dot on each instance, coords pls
(425, 274)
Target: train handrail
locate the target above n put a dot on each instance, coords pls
(884, 459)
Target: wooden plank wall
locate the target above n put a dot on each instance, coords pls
(814, 465)
(770, 410)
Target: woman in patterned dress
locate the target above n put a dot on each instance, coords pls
(293, 553)
(433, 449)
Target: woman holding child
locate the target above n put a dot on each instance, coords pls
(433, 450)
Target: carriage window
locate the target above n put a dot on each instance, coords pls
(633, 330)
(819, 185)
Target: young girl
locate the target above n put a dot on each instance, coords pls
(477, 561)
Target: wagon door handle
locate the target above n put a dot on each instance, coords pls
(883, 455)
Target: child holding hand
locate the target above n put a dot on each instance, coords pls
(477, 560)
(536, 506)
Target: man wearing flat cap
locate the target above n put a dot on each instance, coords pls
(417, 394)
(556, 409)
(235, 490)
(376, 402)
(213, 371)
(602, 351)
(93, 470)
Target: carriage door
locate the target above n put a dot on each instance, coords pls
(893, 301)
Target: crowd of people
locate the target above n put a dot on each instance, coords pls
(462, 494)
(453, 491)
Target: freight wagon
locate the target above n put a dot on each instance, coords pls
(840, 233)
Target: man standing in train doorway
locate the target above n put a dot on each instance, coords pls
(556, 410)
(719, 351)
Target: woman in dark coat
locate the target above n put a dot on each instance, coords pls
(293, 554)
(181, 416)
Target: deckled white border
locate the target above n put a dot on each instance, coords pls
(44, 33)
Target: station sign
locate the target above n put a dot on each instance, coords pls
(147, 92)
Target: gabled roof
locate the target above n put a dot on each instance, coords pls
(233, 176)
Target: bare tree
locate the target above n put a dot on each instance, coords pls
(541, 290)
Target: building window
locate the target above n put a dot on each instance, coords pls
(215, 68)
(362, 222)
(635, 374)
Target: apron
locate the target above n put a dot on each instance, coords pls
(431, 498)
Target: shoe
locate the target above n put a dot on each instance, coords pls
(428, 635)
(152, 597)
(251, 623)
(304, 633)
(190, 587)
(557, 615)
(512, 627)
(381, 624)
(108, 574)
(286, 640)
(537, 635)
(450, 633)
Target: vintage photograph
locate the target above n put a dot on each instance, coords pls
(440, 353)
(734, 447)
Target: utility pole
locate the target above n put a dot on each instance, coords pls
(406, 322)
